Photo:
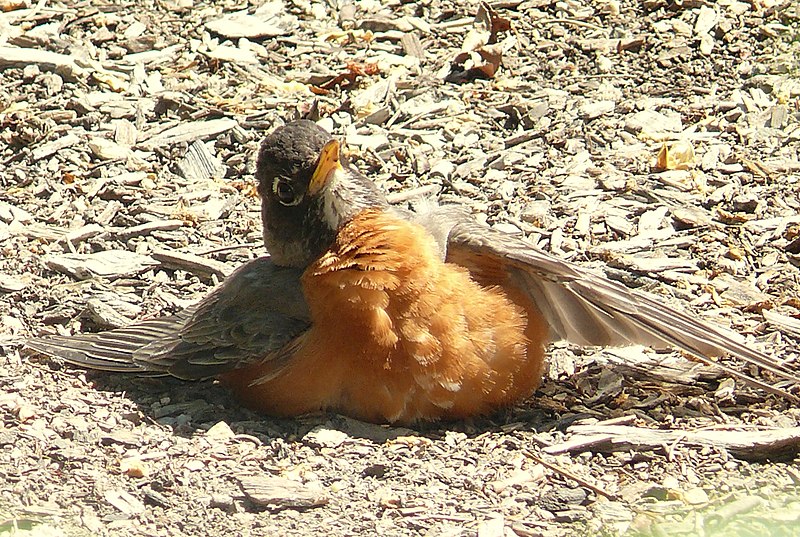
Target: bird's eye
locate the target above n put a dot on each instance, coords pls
(284, 192)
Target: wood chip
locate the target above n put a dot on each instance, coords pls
(51, 61)
(269, 20)
(281, 493)
(109, 149)
(325, 437)
(189, 132)
(104, 315)
(649, 122)
(148, 228)
(749, 444)
(493, 527)
(12, 284)
(788, 324)
(220, 432)
(108, 264)
(192, 263)
(51, 148)
(124, 501)
(692, 216)
(412, 46)
(83, 233)
(199, 164)
(653, 265)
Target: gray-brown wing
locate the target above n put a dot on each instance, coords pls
(253, 316)
(588, 309)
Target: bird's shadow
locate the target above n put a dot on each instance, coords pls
(191, 408)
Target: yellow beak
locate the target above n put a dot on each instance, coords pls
(327, 165)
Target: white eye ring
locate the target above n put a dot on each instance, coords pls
(288, 197)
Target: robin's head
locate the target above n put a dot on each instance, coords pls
(307, 192)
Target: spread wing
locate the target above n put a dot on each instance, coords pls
(253, 316)
(588, 309)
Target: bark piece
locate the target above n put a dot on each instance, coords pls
(744, 444)
(281, 493)
(109, 264)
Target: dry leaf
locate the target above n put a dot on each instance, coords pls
(12, 5)
(349, 77)
(481, 53)
(114, 83)
(134, 467)
(676, 156)
(343, 37)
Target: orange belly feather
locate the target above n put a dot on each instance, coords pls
(399, 336)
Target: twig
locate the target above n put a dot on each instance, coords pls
(566, 473)
(573, 22)
(230, 248)
(419, 192)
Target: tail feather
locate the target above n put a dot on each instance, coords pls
(114, 350)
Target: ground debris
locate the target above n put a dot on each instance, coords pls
(753, 445)
(127, 143)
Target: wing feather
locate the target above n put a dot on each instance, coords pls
(252, 316)
(585, 308)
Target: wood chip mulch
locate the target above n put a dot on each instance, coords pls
(655, 141)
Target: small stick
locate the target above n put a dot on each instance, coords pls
(569, 475)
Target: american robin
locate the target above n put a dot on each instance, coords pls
(384, 314)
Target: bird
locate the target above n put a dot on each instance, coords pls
(389, 314)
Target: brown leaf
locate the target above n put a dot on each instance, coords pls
(348, 78)
(481, 53)
(12, 5)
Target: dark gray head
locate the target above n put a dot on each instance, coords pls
(307, 192)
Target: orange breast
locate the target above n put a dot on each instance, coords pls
(399, 336)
